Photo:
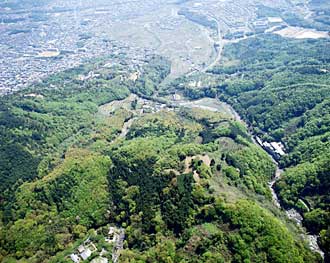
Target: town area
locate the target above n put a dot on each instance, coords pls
(38, 40)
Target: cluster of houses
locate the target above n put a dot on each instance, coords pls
(84, 251)
(274, 148)
(149, 106)
(116, 236)
(90, 75)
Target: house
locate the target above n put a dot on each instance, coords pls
(86, 254)
(84, 251)
(81, 249)
(275, 20)
(278, 148)
(259, 141)
(100, 260)
(113, 235)
(75, 258)
(176, 97)
(260, 25)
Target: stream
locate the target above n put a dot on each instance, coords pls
(215, 105)
(218, 106)
(293, 214)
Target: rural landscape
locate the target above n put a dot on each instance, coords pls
(169, 131)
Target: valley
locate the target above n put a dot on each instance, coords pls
(214, 105)
(164, 131)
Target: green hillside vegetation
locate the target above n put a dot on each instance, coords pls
(61, 206)
(38, 124)
(186, 185)
(281, 88)
(186, 221)
(161, 184)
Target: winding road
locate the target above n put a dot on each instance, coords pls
(220, 48)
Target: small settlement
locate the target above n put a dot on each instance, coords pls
(84, 251)
(115, 236)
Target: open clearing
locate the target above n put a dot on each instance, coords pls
(49, 54)
(210, 104)
(301, 33)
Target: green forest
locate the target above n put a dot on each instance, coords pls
(98, 149)
(185, 184)
(281, 89)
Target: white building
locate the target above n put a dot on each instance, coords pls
(75, 258)
(86, 254)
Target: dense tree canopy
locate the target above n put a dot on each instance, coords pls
(281, 88)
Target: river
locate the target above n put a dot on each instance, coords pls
(218, 106)
(215, 105)
(294, 214)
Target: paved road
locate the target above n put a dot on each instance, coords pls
(220, 48)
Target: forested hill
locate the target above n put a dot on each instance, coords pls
(38, 124)
(83, 158)
(281, 87)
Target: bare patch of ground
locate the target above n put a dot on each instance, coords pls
(301, 33)
(213, 105)
(49, 54)
(188, 168)
(111, 107)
